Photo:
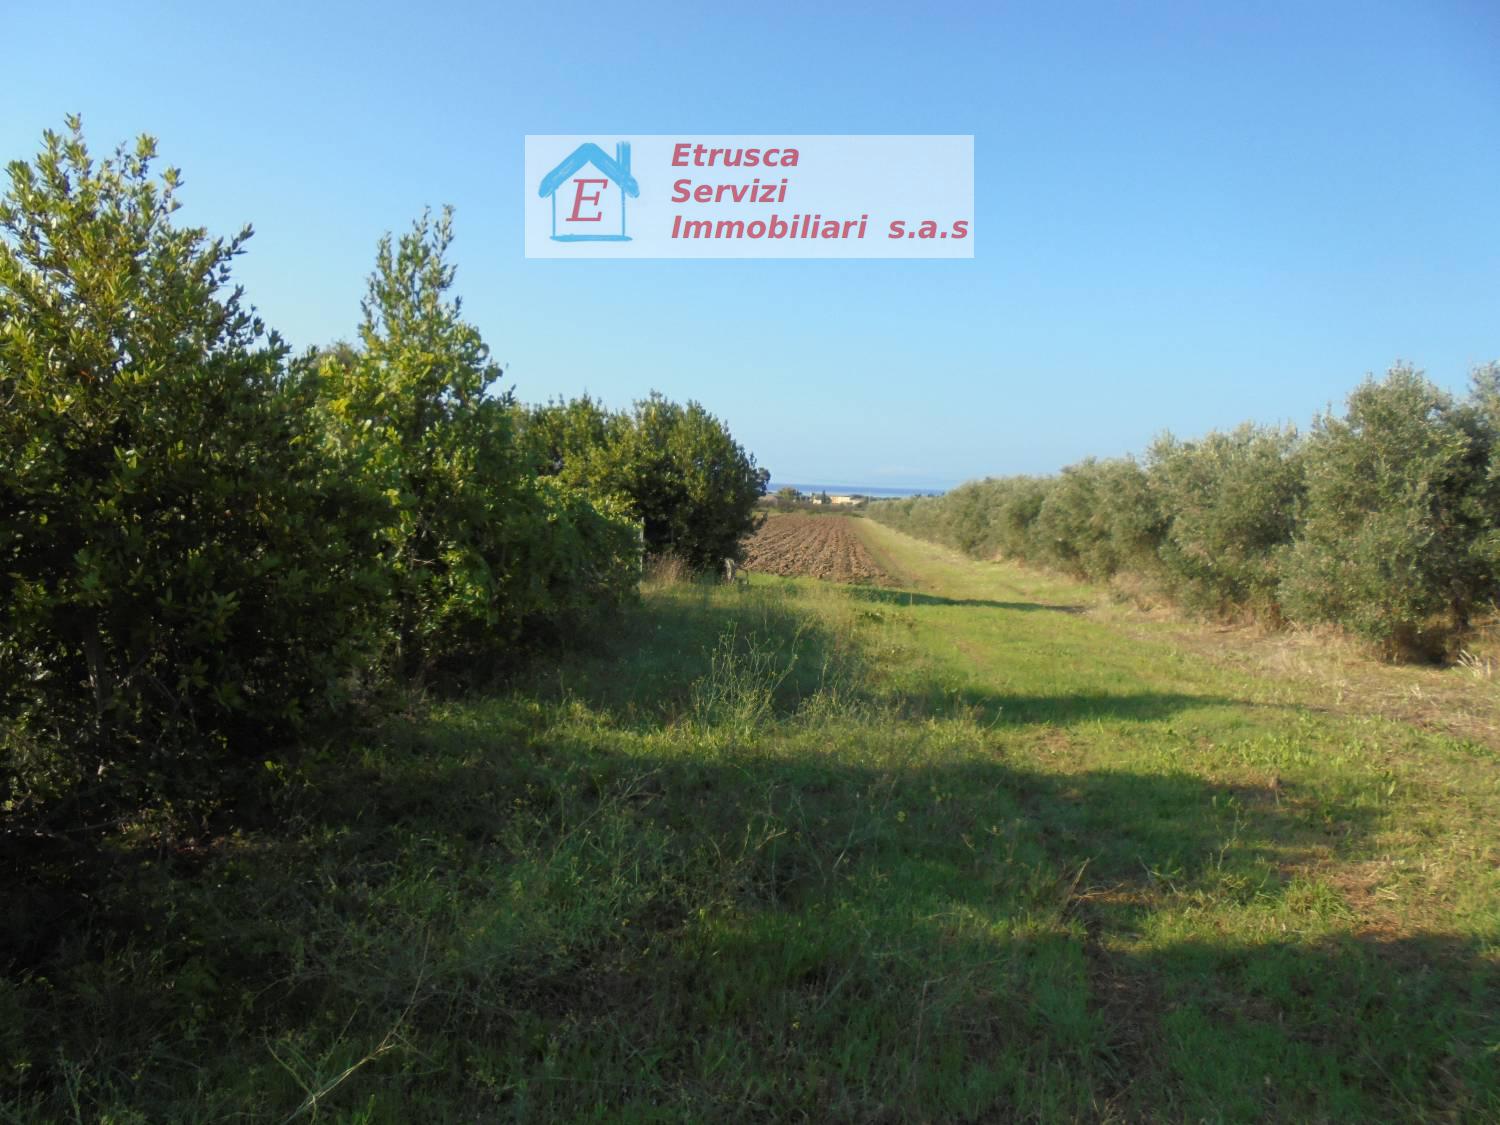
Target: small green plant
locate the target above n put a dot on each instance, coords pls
(739, 690)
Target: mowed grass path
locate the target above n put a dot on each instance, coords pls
(1287, 910)
(969, 850)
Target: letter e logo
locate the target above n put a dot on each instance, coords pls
(580, 197)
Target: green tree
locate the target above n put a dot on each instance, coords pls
(479, 549)
(787, 497)
(1391, 543)
(181, 578)
(408, 408)
(693, 486)
(1232, 502)
(567, 439)
(678, 469)
(1018, 503)
(1481, 413)
(1097, 519)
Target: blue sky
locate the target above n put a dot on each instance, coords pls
(1187, 215)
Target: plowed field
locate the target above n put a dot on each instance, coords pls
(815, 547)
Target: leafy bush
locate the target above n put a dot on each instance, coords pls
(1393, 541)
(965, 517)
(678, 469)
(203, 545)
(1097, 519)
(571, 557)
(178, 564)
(1017, 504)
(1481, 416)
(478, 549)
(903, 514)
(1065, 531)
(1233, 501)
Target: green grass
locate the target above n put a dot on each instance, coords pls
(969, 850)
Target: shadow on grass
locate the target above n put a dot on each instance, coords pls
(694, 653)
(1001, 709)
(910, 598)
(581, 916)
(1348, 1027)
(854, 929)
(646, 675)
(959, 923)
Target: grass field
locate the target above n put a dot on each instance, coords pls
(976, 847)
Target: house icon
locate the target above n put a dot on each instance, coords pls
(594, 188)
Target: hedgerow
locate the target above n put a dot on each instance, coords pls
(1385, 522)
(207, 547)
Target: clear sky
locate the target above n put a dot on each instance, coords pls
(1187, 215)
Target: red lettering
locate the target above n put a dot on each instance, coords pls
(579, 198)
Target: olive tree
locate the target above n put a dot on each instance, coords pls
(1232, 502)
(1387, 545)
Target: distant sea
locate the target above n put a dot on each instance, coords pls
(871, 490)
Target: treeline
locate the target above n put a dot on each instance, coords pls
(208, 545)
(1384, 521)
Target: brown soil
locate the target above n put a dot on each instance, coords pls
(815, 547)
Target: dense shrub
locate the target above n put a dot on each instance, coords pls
(1481, 415)
(478, 549)
(1068, 534)
(977, 518)
(1233, 501)
(1097, 519)
(1017, 504)
(966, 517)
(178, 565)
(677, 468)
(914, 514)
(203, 545)
(1393, 541)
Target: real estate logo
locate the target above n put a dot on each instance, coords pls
(760, 196)
(593, 188)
